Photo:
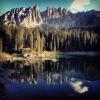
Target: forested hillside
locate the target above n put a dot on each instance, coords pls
(16, 38)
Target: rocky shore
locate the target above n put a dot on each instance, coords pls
(30, 56)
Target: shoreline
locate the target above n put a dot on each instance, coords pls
(30, 56)
(42, 55)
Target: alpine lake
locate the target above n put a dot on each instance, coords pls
(70, 75)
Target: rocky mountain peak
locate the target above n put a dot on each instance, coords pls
(54, 12)
(27, 17)
(51, 17)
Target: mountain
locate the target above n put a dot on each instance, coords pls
(68, 19)
(51, 17)
(27, 17)
(52, 13)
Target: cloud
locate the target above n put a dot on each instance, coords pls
(77, 86)
(79, 5)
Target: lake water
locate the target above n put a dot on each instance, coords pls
(68, 76)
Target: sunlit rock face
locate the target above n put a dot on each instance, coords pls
(27, 17)
(52, 13)
(51, 17)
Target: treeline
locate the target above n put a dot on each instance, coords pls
(51, 39)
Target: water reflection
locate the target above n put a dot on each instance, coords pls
(72, 71)
(78, 86)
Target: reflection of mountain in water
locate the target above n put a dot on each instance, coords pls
(61, 71)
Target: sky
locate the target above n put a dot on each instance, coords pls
(73, 5)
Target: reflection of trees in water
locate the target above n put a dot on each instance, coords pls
(60, 71)
(2, 85)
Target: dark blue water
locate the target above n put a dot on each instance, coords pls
(69, 76)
